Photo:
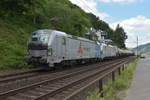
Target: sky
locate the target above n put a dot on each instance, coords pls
(132, 15)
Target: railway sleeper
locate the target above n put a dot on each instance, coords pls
(49, 88)
(22, 96)
(32, 92)
(43, 89)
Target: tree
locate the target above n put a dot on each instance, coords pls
(119, 37)
(13, 7)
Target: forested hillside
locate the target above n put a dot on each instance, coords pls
(18, 18)
(143, 49)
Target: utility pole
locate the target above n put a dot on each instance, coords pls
(137, 45)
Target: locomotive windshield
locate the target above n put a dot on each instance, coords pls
(44, 38)
(41, 36)
(39, 40)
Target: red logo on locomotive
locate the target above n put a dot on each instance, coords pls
(80, 50)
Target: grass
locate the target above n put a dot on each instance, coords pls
(116, 90)
(13, 38)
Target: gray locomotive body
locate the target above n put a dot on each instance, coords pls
(54, 47)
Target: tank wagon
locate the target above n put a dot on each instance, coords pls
(125, 52)
(53, 47)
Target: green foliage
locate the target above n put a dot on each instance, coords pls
(13, 44)
(94, 96)
(9, 8)
(120, 84)
(119, 37)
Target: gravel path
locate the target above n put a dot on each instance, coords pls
(140, 88)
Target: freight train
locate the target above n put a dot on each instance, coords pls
(52, 47)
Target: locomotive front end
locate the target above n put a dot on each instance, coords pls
(38, 49)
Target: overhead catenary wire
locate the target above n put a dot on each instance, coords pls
(92, 11)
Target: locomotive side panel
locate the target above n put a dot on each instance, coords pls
(67, 48)
(80, 49)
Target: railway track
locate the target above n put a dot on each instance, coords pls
(19, 75)
(13, 82)
(50, 88)
(32, 73)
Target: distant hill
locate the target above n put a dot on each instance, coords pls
(144, 49)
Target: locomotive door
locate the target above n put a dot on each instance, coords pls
(63, 47)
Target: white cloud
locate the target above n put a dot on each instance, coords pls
(90, 6)
(119, 1)
(136, 26)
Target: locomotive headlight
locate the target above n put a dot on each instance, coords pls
(49, 52)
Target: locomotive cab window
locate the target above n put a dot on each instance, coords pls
(41, 36)
(34, 39)
(44, 38)
(63, 41)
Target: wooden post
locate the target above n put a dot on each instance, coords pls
(113, 76)
(119, 71)
(123, 67)
(101, 88)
